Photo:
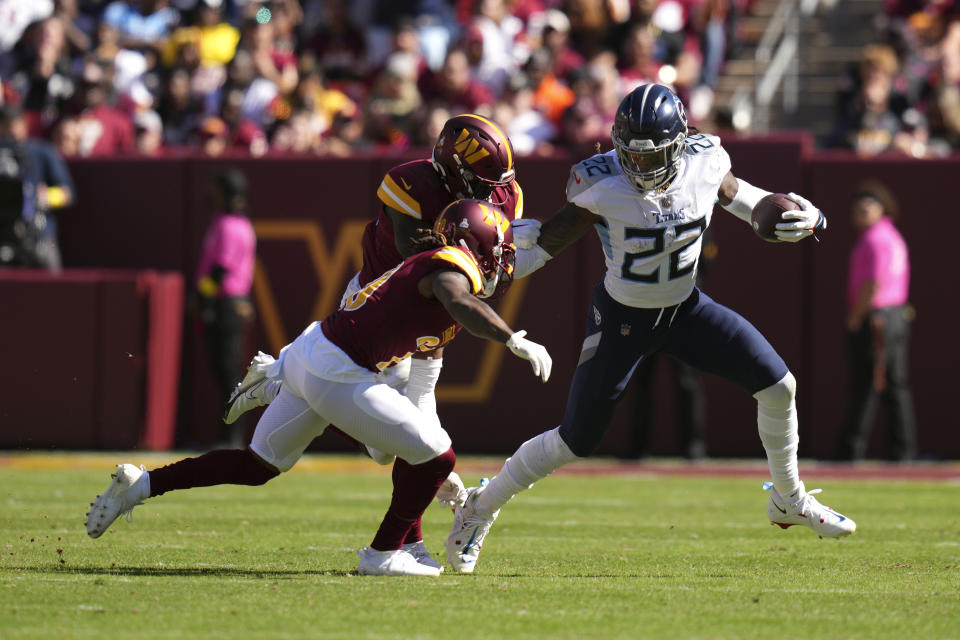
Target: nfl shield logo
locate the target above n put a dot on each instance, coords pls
(624, 329)
(596, 316)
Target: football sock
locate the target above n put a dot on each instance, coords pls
(414, 534)
(413, 488)
(536, 458)
(223, 466)
(777, 424)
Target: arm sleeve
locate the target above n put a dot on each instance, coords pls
(746, 199)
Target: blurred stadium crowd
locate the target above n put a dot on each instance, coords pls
(156, 77)
(904, 96)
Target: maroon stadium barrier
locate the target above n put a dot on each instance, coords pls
(309, 213)
(91, 358)
(923, 218)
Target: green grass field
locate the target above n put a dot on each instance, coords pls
(579, 556)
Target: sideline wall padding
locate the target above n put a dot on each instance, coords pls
(151, 214)
(90, 358)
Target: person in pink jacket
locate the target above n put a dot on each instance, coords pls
(223, 281)
(878, 319)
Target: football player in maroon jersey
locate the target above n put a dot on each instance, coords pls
(330, 374)
(472, 158)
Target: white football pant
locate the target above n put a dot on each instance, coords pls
(371, 412)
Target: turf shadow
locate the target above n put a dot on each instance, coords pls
(185, 572)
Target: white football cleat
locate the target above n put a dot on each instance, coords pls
(250, 392)
(419, 551)
(391, 563)
(808, 511)
(128, 488)
(467, 534)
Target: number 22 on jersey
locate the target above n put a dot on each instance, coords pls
(658, 235)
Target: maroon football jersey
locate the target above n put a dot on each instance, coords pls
(414, 189)
(388, 320)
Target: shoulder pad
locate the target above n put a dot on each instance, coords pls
(701, 143)
(404, 186)
(518, 206)
(706, 157)
(464, 262)
(511, 197)
(589, 172)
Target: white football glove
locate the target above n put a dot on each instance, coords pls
(452, 493)
(805, 221)
(529, 260)
(526, 231)
(535, 353)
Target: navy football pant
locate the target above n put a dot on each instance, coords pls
(700, 332)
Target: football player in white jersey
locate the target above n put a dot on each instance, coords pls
(650, 200)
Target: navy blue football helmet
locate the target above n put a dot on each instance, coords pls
(648, 134)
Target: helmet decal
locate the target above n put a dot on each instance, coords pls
(469, 148)
(503, 140)
(482, 231)
(494, 218)
(473, 158)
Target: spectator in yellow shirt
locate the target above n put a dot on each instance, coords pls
(217, 40)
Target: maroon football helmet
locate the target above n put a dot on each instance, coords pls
(473, 157)
(484, 232)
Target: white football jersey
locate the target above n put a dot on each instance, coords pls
(651, 241)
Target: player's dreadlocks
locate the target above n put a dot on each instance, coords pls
(428, 239)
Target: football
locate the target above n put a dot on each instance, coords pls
(767, 215)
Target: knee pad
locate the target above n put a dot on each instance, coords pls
(778, 396)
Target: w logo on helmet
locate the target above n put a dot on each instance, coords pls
(469, 147)
(494, 218)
